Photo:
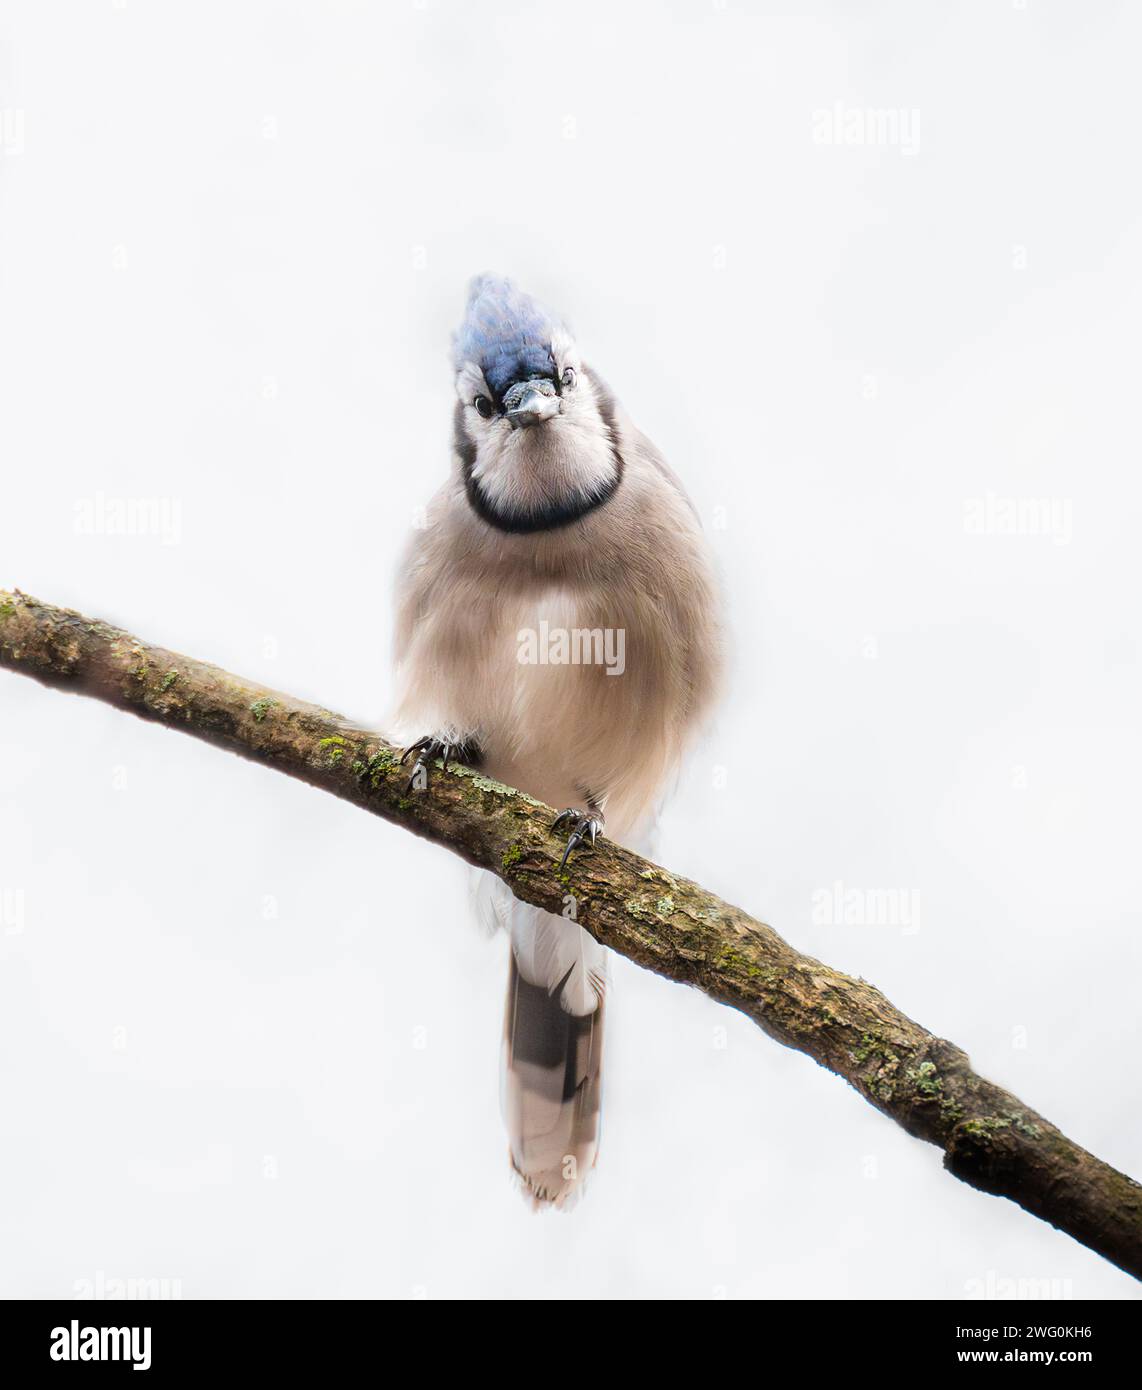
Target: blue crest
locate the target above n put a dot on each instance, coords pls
(506, 332)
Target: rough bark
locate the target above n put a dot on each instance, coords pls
(661, 921)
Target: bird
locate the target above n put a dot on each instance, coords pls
(559, 627)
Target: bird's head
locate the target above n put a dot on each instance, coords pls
(534, 432)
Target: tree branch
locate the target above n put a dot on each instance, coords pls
(665, 923)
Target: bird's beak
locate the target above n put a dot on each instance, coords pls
(530, 403)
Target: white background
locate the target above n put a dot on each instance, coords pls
(249, 1038)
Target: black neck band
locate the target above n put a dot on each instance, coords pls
(548, 518)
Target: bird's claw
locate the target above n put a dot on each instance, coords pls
(426, 750)
(585, 828)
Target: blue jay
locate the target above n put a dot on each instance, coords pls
(558, 625)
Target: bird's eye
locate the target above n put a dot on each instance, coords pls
(484, 406)
(569, 377)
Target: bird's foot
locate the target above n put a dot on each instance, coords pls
(586, 827)
(431, 747)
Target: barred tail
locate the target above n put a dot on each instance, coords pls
(552, 1088)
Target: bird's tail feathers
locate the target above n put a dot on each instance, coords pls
(551, 1088)
(552, 1091)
